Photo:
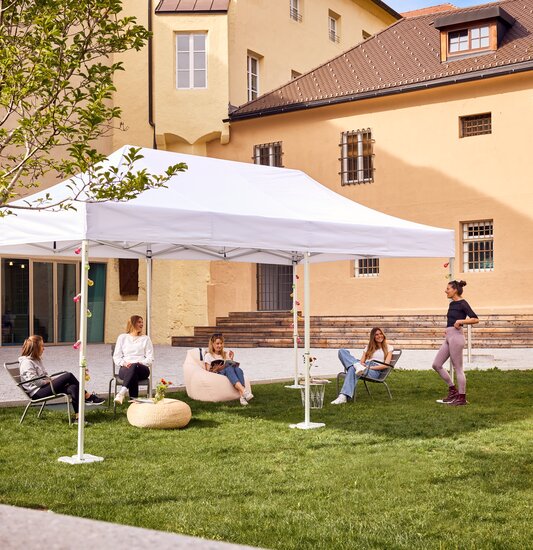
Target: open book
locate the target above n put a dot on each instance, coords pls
(219, 364)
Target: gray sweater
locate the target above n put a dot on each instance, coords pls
(31, 368)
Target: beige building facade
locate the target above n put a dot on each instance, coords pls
(205, 58)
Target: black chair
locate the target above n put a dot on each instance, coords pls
(116, 380)
(382, 376)
(13, 369)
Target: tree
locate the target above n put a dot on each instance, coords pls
(56, 86)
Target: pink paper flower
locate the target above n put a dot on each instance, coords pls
(78, 250)
(77, 298)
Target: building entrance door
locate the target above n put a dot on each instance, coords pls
(274, 287)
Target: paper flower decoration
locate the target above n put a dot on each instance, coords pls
(446, 264)
(297, 276)
(90, 282)
(77, 298)
(89, 314)
(77, 251)
(77, 345)
(87, 267)
(297, 303)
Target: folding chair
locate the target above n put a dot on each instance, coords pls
(382, 376)
(13, 370)
(116, 380)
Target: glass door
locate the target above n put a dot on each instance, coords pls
(43, 300)
(15, 300)
(95, 325)
(66, 289)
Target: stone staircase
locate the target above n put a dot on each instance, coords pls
(274, 330)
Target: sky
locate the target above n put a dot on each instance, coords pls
(407, 5)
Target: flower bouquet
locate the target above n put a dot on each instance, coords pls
(161, 389)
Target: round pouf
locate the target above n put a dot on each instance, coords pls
(166, 414)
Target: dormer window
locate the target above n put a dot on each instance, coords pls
(466, 40)
(473, 32)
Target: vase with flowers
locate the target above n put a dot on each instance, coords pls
(161, 389)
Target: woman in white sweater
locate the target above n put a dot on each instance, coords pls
(134, 355)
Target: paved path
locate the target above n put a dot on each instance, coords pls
(259, 364)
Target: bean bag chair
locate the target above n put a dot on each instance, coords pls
(203, 385)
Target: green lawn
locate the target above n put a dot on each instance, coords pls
(406, 473)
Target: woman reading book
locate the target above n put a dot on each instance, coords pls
(221, 361)
(377, 350)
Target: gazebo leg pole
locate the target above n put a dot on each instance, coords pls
(295, 384)
(149, 304)
(81, 457)
(307, 424)
(451, 266)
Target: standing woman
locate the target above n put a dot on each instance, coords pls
(377, 349)
(134, 355)
(459, 314)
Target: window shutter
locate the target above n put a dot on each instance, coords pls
(128, 271)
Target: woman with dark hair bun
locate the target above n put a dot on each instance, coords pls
(459, 314)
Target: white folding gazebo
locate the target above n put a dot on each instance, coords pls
(218, 210)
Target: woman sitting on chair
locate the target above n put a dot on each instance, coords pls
(134, 355)
(220, 361)
(31, 366)
(377, 349)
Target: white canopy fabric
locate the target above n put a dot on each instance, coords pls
(221, 209)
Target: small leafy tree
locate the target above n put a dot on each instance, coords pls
(56, 85)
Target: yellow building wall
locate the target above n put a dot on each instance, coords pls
(425, 173)
(287, 45)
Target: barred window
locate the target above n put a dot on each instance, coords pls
(478, 246)
(268, 154)
(295, 11)
(357, 157)
(367, 267)
(476, 125)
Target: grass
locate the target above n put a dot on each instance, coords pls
(405, 473)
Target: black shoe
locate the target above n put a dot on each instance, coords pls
(93, 399)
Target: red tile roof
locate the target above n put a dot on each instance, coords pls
(428, 10)
(180, 6)
(401, 58)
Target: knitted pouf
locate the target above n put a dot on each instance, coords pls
(167, 413)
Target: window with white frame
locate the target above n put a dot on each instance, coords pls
(268, 154)
(478, 246)
(357, 157)
(333, 27)
(191, 60)
(295, 10)
(367, 267)
(253, 77)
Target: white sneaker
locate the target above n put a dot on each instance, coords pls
(248, 395)
(340, 400)
(119, 398)
(243, 401)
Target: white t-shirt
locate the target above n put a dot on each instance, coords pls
(133, 349)
(378, 355)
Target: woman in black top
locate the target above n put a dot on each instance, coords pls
(459, 314)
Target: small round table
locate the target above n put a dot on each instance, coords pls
(165, 414)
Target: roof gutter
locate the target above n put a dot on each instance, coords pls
(387, 8)
(457, 79)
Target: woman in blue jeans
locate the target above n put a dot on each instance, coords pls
(224, 364)
(377, 349)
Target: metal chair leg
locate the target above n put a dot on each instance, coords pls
(67, 399)
(24, 413)
(390, 396)
(41, 410)
(367, 390)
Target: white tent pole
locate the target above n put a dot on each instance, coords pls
(451, 267)
(307, 338)
(307, 424)
(149, 304)
(295, 321)
(81, 457)
(84, 301)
